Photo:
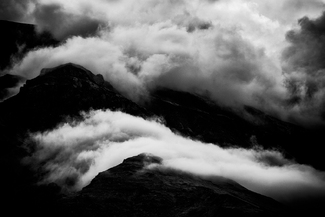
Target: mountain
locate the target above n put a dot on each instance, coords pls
(200, 118)
(61, 93)
(41, 104)
(208, 122)
(131, 189)
(8, 83)
(16, 39)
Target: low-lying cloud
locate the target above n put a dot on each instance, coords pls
(74, 153)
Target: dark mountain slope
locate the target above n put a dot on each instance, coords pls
(42, 103)
(200, 118)
(191, 115)
(7, 82)
(62, 92)
(16, 39)
(130, 189)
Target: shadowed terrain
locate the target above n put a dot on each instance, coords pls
(60, 94)
(133, 190)
(17, 39)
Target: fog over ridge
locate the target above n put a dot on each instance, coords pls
(74, 153)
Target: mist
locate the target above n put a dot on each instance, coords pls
(72, 154)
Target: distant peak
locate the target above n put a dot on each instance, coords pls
(145, 158)
(136, 163)
(74, 70)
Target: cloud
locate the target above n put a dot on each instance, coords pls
(288, 11)
(62, 24)
(53, 16)
(229, 50)
(187, 53)
(15, 10)
(74, 153)
(99, 56)
(192, 23)
(304, 67)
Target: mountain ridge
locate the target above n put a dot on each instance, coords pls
(165, 192)
(64, 91)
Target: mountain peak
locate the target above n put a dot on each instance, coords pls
(144, 158)
(74, 70)
(131, 189)
(136, 163)
(60, 92)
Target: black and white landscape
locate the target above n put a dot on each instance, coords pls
(162, 107)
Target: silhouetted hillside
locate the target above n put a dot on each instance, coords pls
(130, 189)
(18, 38)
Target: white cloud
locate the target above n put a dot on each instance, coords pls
(217, 60)
(230, 49)
(79, 151)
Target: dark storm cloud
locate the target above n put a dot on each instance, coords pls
(50, 17)
(192, 23)
(64, 25)
(14, 10)
(304, 65)
(307, 46)
(190, 45)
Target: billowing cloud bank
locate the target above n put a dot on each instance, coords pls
(236, 51)
(74, 153)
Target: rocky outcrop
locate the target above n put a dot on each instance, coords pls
(142, 186)
(62, 92)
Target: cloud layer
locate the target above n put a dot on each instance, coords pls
(304, 66)
(74, 153)
(14, 10)
(230, 50)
